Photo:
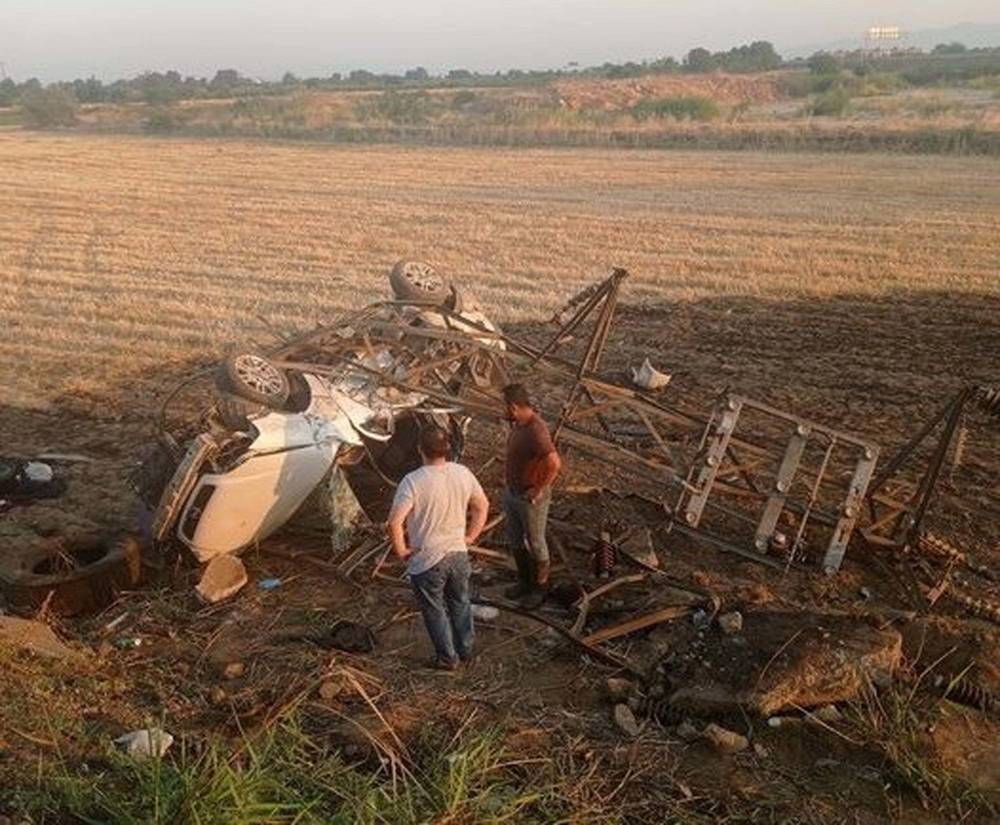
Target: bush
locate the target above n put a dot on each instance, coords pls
(823, 63)
(679, 108)
(49, 108)
(163, 121)
(832, 103)
(397, 107)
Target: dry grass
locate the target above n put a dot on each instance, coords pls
(120, 254)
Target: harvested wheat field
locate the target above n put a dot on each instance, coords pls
(121, 255)
(862, 291)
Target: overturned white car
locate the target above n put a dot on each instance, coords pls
(342, 404)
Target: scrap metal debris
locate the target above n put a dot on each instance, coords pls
(345, 402)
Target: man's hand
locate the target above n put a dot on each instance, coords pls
(394, 527)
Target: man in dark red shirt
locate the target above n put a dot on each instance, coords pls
(532, 466)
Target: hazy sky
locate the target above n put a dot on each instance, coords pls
(57, 39)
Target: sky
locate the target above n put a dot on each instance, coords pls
(63, 39)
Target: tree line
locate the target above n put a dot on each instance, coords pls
(56, 104)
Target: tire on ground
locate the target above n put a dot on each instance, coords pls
(417, 281)
(252, 376)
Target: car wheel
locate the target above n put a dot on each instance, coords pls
(255, 378)
(417, 281)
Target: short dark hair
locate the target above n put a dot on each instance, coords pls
(435, 442)
(516, 394)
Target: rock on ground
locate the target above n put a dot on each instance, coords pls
(625, 720)
(224, 576)
(724, 740)
(36, 637)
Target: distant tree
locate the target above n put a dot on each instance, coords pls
(762, 56)
(48, 108)
(700, 60)
(335, 77)
(625, 70)
(225, 79)
(289, 79)
(8, 92)
(459, 74)
(665, 65)
(823, 63)
(949, 48)
(361, 77)
(90, 90)
(418, 74)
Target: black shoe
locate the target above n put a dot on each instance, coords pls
(447, 665)
(533, 599)
(517, 591)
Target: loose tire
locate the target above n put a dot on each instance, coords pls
(417, 281)
(253, 377)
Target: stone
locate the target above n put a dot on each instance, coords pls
(36, 637)
(687, 731)
(827, 713)
(224, 577)
(731, 623)
(330, 690)
(219, 696)
(618, 689)
(234, 670)
(724, 740)
(761, 751)
(625, 720)
(639, 545)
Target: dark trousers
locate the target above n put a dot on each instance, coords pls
(443, 595)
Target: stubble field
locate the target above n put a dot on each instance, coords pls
(119, 256)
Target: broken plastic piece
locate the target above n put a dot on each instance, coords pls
(485, 612)
(649, 378)
(145, 743)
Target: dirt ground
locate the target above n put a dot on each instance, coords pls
(718, 302)
(802, 355)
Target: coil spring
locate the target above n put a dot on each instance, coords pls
(973, 695)
(663, 712)
(605, 558)
(980, 607)
(988, 400)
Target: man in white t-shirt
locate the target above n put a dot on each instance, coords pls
(443, 509)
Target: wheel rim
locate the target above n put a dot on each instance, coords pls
(259, 374)
(423, 277)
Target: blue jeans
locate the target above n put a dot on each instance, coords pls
(443, 595)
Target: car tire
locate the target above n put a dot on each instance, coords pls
(417, 281)
(253, 377)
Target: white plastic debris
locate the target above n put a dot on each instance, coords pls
(38, 472)
(485, 612)
(145, 743)
(731, 623)
(649, 378)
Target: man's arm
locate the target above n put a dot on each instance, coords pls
(394, 528)
(479, 508)
(548, 467)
